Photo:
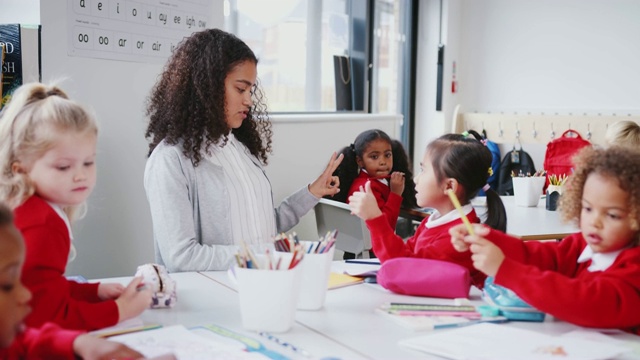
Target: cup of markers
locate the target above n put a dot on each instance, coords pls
(316, 267)
(268, 287)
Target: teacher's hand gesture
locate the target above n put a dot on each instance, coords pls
(326, 183)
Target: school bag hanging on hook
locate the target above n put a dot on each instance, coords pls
(514, 162)
(559, 154)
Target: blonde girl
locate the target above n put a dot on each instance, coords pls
(47, 159)
(623, 133)
(590, 278)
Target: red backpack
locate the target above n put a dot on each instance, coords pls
(557, 159)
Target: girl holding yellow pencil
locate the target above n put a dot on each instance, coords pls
(453, 162)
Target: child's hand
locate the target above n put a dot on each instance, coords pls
(396, 182)
(326, 183)
(487, 257)
(90, 347)
(109, 291)
(363, 204)
(459, 232)
(134, 300)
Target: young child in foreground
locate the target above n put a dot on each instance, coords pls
(451, 162)
(47, 164)
(591, 278)
(48, 342)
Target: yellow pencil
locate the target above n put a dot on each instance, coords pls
(456, 203)
(114, 332)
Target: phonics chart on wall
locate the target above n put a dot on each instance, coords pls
(141, 30)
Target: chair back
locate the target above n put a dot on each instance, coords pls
(353, 235)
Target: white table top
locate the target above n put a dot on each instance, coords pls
(347, 327)
(530, 223)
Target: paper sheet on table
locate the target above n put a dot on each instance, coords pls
(490, 341)
(184, 344)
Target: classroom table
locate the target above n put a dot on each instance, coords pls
(347, 327)
(530, 223)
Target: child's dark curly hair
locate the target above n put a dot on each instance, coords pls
(617, 162)
(401, 163)
(187, 104)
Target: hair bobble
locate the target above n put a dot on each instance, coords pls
(55, 92)
(486, 187)
(352, 147)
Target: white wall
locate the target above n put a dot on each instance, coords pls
(544, 56)
(570, 56)
(20, 11)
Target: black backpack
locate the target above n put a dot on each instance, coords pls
(516, 162)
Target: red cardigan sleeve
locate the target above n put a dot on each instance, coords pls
(55, 299)
(384, 241)
(388, 202)
(86, 292)
(567, 290)
(48, 342)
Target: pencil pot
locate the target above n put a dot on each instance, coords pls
(527, 190)
(553, 196)
(268, 298)
(315, 269)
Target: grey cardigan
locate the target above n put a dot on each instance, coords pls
(189, 205)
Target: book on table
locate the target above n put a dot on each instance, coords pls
(337, 280)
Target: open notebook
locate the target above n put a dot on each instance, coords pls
(201, 343)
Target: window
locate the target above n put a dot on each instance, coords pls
(292, 40)
(296, 41)
(393, 56)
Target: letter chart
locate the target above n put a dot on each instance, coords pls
(140, 31)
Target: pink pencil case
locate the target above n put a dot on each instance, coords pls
(425, 277)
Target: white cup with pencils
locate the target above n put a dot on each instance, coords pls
(268, 288)
(316, 267)
(527, 190)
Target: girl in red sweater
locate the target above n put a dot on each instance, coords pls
(591, 278)
(452, 161)
(47, 164)
(374, 156)
(49, 341)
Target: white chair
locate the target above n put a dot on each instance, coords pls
(353, 235)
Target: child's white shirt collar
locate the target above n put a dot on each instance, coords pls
(436, 219)
(384, 181)
(58, 209)
(599, 261)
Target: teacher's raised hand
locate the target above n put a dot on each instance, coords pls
(326, 183)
